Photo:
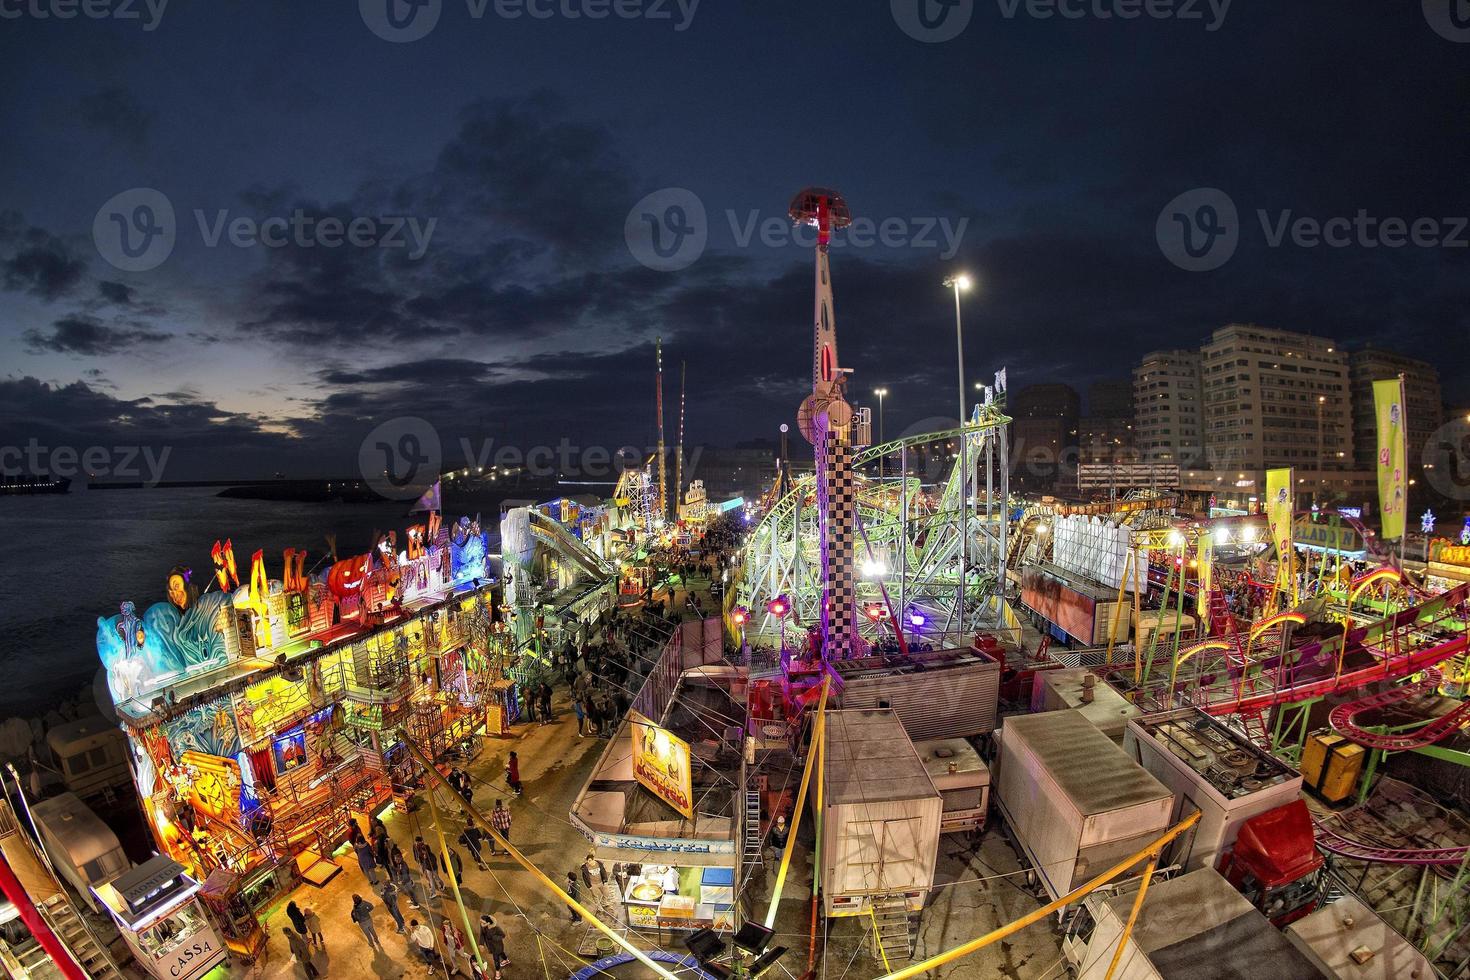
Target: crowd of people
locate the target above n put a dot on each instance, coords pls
(403, 888)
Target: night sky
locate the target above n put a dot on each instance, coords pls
(1037, 153)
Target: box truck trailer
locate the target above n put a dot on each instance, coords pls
(1074, 801)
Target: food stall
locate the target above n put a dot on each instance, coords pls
(665, 896)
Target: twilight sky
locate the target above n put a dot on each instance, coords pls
(514, 186)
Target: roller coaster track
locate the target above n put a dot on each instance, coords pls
(1330, 840)
(1398, 644)
(1342, 718)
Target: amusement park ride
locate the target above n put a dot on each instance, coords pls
(856, 557)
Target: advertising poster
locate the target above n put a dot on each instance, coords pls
(661, 764)
(1393, 491)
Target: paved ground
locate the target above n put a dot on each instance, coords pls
(554, 764)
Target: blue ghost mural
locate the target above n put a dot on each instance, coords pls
(140, 652)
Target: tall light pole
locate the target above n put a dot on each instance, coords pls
(960, 283)
(1321, 447)
(880, 392)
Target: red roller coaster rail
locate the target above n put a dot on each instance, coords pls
(1342, 718)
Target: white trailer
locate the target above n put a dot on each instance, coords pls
(91, 755)
(1347, 940)
(962, 778)
(82, 848)
(1083, 691)
(1075, 802)
(1213, 769)
(881, 815)
(1194, 927)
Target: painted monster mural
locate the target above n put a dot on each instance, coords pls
(172, 637)
(467, 551)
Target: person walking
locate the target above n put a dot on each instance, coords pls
(493, 937)
(594, 876)
(422, 938)
(365, 859)
(546, 717)
(572, 886)
(428, 864)
(297, 917)
(513, 773)
(381, 843)
(500, 820)
(314, 928)
(300, 951)
(399, 871)
(362, 914)
(456, 866)
(389, 894)
(472, 838)
(454, 948)
(581, 718)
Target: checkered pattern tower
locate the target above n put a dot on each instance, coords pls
(825, 419)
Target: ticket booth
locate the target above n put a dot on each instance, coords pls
(158, 912)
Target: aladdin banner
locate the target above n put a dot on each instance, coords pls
(1393, 496)
(661, 764)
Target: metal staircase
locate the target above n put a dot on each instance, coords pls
(751, 858)
(893, 933)
(77, 937)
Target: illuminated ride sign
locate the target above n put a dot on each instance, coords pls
(661, 764)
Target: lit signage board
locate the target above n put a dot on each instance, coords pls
(661, 764)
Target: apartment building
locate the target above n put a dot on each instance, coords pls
(1423, 407)
(1168, 405)
(1276, 398)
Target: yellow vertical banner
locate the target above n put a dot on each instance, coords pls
(1393, 491)
(1280, 506)
(1206, 566)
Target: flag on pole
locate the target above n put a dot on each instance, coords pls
(1393, 491)
(430, 501)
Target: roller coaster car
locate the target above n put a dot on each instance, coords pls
(1275, 863)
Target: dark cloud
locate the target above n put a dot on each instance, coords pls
(36, 261)
(116, 112)
(115, 292)
(89, 337)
